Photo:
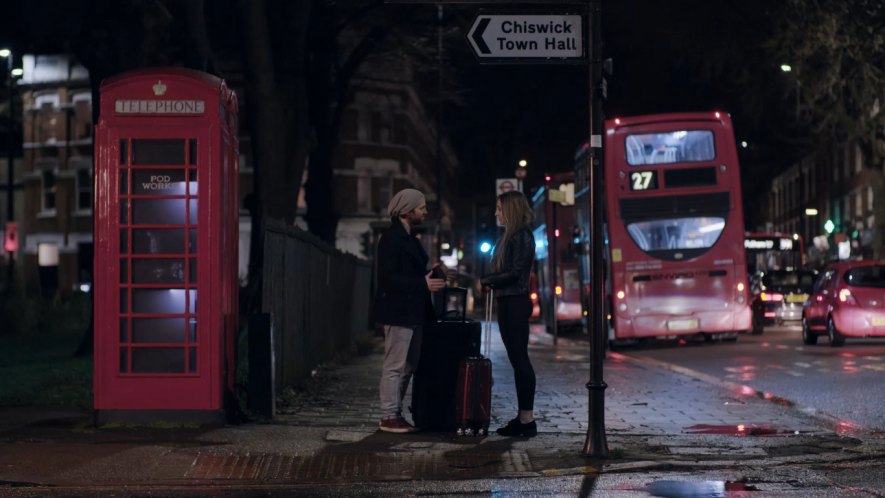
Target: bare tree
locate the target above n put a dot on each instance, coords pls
(837, 51)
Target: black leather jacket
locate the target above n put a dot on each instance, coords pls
(519, 254)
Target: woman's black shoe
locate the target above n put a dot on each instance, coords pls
(515, 428)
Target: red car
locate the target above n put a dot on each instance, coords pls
(847, 300)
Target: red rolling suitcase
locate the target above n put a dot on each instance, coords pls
(473, 399)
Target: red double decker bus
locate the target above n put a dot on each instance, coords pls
(676, 256)
(556, 262)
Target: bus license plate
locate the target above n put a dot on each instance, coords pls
(682, 324)
(878, 321)
(797, 298)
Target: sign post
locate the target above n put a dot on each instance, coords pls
(595, 444)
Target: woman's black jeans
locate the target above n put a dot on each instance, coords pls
(513, 320)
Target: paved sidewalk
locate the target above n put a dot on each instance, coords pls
(656, 418)
(640, 398)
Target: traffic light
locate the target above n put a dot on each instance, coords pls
(829, 226)
(575, 245)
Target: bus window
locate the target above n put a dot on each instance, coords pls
(671, 234)
(670, 147)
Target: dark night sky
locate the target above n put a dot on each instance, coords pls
(540, 112)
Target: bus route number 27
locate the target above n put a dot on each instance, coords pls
(643, 180)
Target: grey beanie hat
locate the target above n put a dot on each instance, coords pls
(404, 201)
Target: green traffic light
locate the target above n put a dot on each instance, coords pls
(829, 226)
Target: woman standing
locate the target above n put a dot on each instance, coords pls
(511, 265)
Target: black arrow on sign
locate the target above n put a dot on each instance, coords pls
(477, 35)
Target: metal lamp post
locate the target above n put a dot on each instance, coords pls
(10, 180)
(788, 68)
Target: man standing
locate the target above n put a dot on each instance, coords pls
(402, 303)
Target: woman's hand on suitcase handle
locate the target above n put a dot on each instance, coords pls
(434, 284)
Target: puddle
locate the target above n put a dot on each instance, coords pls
(697, 489)
(734, 430)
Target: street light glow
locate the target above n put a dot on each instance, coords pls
(786, 68)
(810, 212)
(5, 52)
(18, 72)
(523, 163)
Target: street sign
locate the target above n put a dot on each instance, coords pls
(520, 173)
(505, 185)
(526, 37)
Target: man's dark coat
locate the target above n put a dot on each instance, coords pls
(402, 297)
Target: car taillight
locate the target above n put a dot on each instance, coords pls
(773, 296)
(846, 297)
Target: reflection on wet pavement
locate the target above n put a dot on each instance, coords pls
(697, 489)
(734, 430)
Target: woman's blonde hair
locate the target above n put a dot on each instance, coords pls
(517, 215)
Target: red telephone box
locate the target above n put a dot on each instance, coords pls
(166, 231)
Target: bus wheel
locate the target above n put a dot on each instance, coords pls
(730, 337)
(836, 339)
(808, 337)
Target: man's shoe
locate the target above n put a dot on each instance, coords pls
(397, 425)
(515, 428)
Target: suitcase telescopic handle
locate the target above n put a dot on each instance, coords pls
(487, 340)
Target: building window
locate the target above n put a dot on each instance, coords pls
(364, 125)
(48, 186)
(364, 191)
(84, 189)
(46, 98)
(858, 159)
(82, 102)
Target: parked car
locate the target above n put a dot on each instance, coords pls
(847, 300)
(778, 296)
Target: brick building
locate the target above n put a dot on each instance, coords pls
(836, 187)
(56, 177)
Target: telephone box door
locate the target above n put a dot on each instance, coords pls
(163, 357)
